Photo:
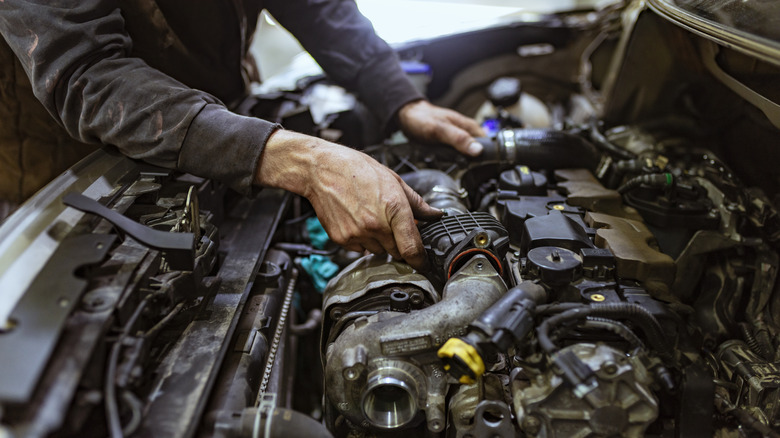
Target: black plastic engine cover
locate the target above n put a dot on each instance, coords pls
(554, 229)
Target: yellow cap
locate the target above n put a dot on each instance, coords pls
(466, 354)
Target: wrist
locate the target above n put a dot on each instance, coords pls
(404, 113)
(288, 161)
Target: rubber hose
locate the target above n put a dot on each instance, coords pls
(290, 423)
(617, 328)
(540, 149)
(751, 341)
(652, 179)
(633, 312)
(601, 141)
(446, 193)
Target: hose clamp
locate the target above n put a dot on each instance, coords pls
(510, 146)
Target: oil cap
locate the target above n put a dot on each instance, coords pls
(554, 266)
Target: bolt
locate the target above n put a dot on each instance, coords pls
(350, 373)
(597, 298)
(531, 425)
(610, 368)
(336, 314)
(480, 266)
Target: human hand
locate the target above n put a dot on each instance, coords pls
(427, 122)
(360, 203)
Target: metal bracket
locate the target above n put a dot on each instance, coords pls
(500, 422)
(40, 315)
(179, 248)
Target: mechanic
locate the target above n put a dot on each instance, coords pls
(155, 79)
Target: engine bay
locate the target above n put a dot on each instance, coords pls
(595, 274)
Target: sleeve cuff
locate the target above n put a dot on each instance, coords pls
(225, 146)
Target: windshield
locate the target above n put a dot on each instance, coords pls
(398, 21)
(756, 20)
(759, 18)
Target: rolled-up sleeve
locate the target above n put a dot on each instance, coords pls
(344, 43)
(76, 54)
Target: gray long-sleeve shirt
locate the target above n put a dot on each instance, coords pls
(150, 76)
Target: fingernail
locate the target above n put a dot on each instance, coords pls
(475, 148)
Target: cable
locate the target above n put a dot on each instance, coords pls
(112, 410)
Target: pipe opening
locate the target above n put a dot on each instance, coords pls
(389, 402)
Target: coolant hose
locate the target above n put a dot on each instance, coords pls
(540, 149)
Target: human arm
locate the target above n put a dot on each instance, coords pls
(344, 43)
(77, 56)
(361, 204)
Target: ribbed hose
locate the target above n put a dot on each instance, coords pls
(652, 180)
(751, 341)
(540, 149)
(617, 328)
(640, 316)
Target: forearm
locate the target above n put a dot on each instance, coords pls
(76, 53)
(344, 43)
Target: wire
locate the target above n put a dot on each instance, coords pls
(112, 409)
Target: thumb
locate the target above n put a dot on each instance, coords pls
(420, 209)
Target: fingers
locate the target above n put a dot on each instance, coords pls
(420, 209)
(406, 237)
(468, 124)
(428, 122)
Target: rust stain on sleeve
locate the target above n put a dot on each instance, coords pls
(34, 44)
(51, 82)
(158, 124)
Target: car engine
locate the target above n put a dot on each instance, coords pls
(595, 274)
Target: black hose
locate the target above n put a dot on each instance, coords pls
(601, 141)
(310, 325)
(437, 188)
(617, 328)
(652, 180)
(290, 423)
(751, 341)
(424, 180)
(487, 200)
(633, 312)
(540, 149)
